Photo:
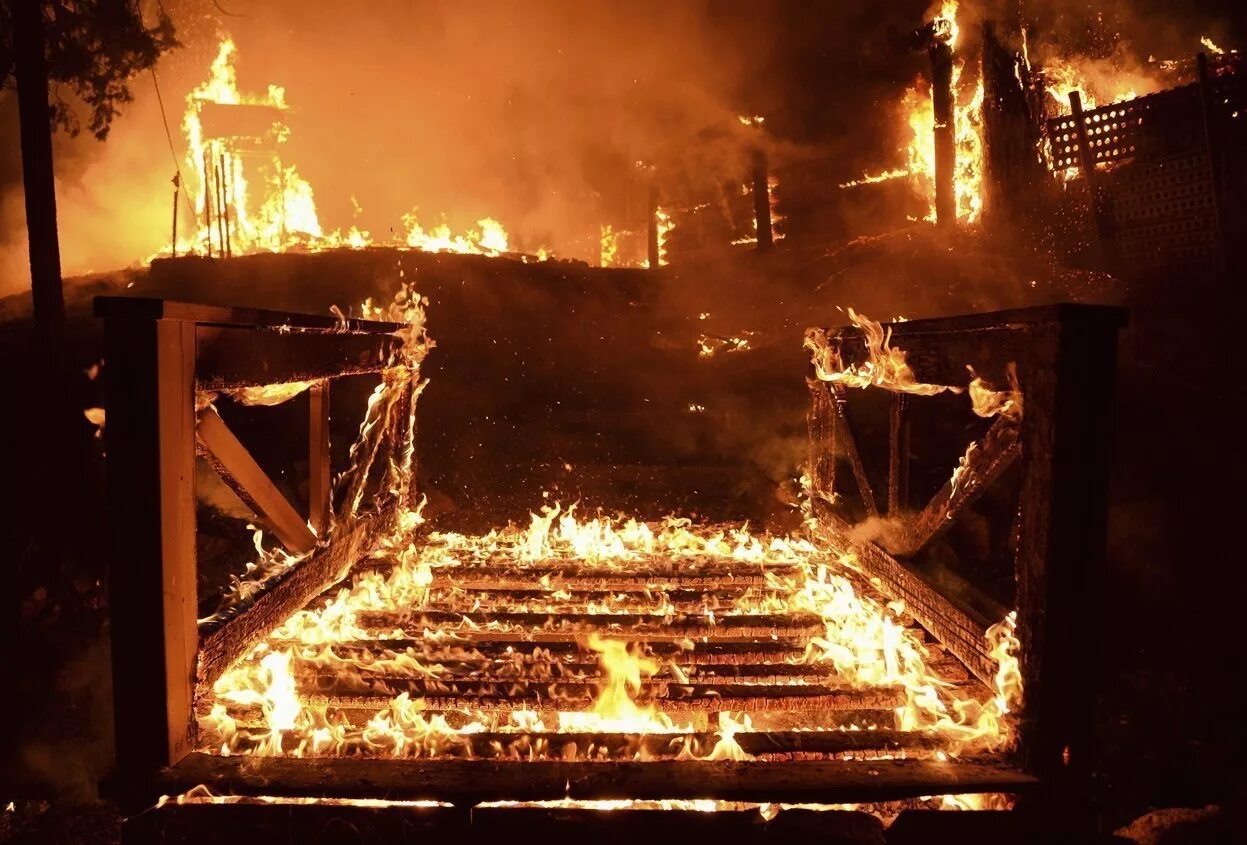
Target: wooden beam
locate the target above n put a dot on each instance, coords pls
(239, 470)
(242, 357)
(149, 387)
(463, 781)
(844, 432)
(319, 465)
(228, 637)
(148, 308)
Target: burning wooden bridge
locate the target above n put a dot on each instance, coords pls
(407, 677)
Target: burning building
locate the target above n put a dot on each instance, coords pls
(556, 494)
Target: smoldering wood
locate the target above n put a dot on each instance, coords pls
(959, 629)
(302, 820)
(1065, 359)
(207, 194)
(1016, 186)
(240, 472)
(820, 421)
(463, 781)
(148, 308)
(844, 436)
(1066, 443)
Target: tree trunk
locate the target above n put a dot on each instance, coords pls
(31, 72)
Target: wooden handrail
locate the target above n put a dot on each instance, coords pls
(160, 355)
(1065, 360)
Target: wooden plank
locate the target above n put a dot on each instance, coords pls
(225, 639)
(243, 475)
(994, 454)
(242, 357)
(463, 781)
(150, 308)
(319, 465)
(898, 454)
(151, 514)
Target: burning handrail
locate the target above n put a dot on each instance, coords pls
(1063, 357)
(166, 362)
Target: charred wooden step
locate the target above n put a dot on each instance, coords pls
(586, 745)
(502, 672)
(688, 624)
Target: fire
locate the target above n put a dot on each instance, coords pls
(248, 198)
(968, 136)
(885, 366)
(665, 225)
(610, 246)
(489, 238)
(863, 643)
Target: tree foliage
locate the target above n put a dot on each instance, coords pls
(94, 49)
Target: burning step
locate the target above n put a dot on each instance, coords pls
(598, 640)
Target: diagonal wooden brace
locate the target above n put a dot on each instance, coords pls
(244, 476)
(985, 461)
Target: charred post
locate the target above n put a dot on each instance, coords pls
(945, 131)
(653, 250)
(761, 199)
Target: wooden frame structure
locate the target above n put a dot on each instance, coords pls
(163, 357)
(1064, 357)
(160, 354)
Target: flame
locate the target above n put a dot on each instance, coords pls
(610, 246)
(1210, 46)
(885, 366)
(665, 225)
(489, 238)
(986, 402)
(863, 643)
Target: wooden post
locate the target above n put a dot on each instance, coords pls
(319, 478)
(220, 217)
(898, 454)
(651, 231)
(207, 193)
(761, 199)
(1087, 164)
(150, 396)
(945, 132)
(1065, 436)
